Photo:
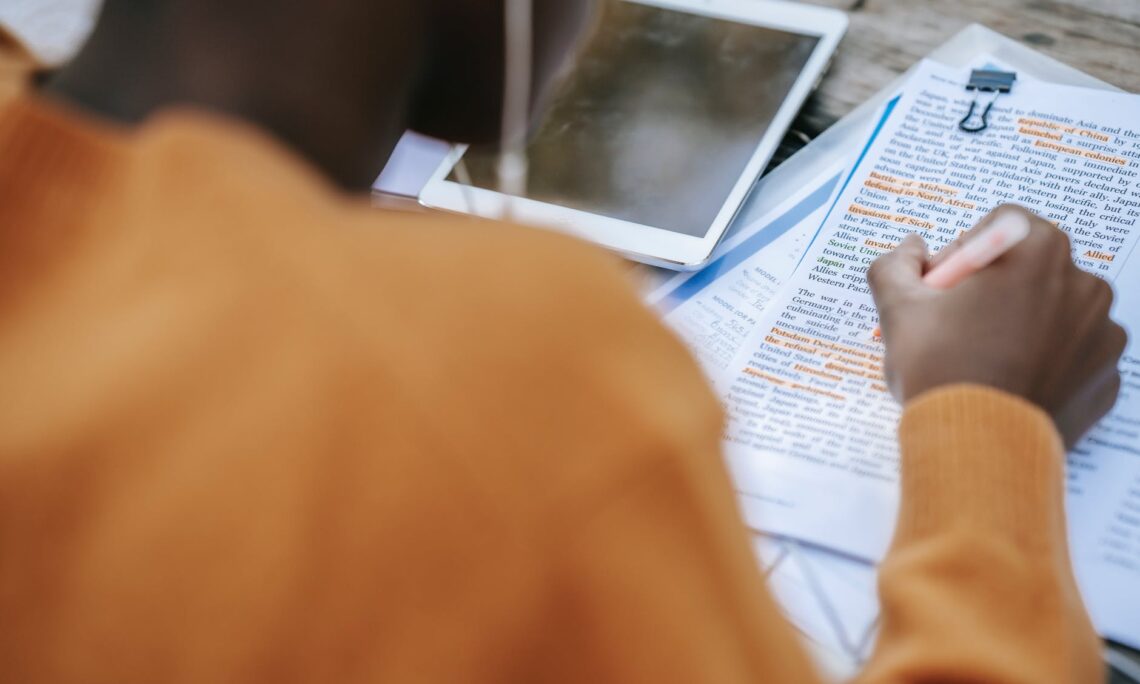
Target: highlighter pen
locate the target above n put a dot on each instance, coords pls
(1007, 230)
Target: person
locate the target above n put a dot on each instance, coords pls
(254, 430)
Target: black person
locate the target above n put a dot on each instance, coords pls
(254, 431)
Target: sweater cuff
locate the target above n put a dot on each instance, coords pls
(979, 459)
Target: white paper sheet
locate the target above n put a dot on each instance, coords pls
(411, 165)
(830, 600)
(716, 309)
(1104, 492)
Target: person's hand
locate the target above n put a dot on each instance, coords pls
(1031, 324)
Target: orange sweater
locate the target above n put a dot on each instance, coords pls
(253, 430)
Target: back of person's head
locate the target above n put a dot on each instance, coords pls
(437, 65)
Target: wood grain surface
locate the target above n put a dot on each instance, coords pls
(1101, 37)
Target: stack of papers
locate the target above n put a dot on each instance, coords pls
(782, 322)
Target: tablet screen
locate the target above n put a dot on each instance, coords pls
(660, 117)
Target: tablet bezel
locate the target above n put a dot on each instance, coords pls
(645, 243)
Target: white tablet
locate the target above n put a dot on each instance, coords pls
(652, 143)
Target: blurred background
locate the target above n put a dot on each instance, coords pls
(1100, 37)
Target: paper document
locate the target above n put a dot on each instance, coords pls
(811, 440)
(716, 309)
(411, 165)
(829, 599)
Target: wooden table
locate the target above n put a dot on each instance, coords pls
(886, 37)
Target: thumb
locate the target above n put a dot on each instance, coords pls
(899, 271)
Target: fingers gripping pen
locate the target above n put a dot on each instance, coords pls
(1009, 228)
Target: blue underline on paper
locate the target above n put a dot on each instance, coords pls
(858, 162)
(746, 249)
